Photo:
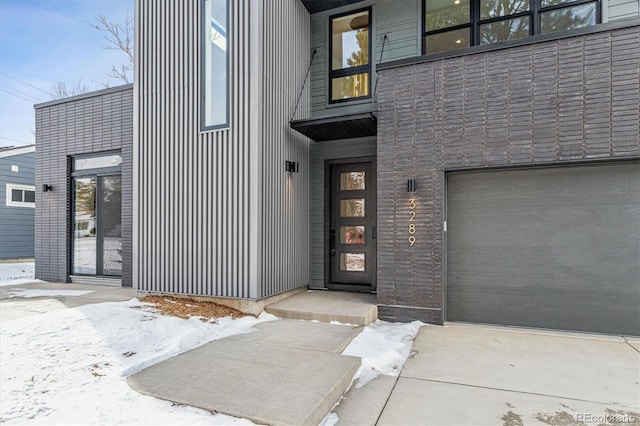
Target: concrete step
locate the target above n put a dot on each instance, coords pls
(327, 306)
(82, 279)
(277, 375)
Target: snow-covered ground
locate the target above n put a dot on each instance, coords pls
(69, 366)
(17, 273)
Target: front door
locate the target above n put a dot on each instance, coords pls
(97, 234)
(352, 228)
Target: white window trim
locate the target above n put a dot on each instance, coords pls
(11, 203)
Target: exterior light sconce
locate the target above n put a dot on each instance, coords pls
(411, 185)
(291, 166)
(47, 188)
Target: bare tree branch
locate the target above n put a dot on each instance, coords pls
(61, 90)
(119, 36)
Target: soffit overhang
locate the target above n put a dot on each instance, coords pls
(338, 127)
(315, 6)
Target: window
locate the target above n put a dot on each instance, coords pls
(350, 68)
(97, 162)
(21, 195)
(456, 24)
(215, 46)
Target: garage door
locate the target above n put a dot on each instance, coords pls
(553, 248)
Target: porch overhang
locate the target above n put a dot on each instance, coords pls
(315, 6)
(339, 127)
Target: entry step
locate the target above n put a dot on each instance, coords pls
(327, 306)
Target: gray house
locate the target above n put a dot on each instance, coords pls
(83, 219)
(17, 202)
(464, 160)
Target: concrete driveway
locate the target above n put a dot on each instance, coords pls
(477, 375)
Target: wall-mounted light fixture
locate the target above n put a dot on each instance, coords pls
(47, 188)
(411, 185)
(291, 166)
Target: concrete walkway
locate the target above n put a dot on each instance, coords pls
(287, 372)
(476, 375)
(291, 372)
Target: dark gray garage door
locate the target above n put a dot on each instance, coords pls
(553, 248)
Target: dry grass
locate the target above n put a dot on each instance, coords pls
(185, 308)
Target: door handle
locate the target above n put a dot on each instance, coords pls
(332, 242)
(374, 232)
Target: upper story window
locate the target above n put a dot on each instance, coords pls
(215, 64)
(21, 195)
(350, 69)
(456, 24)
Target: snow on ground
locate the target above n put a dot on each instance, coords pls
(17, 273)
(38, 292)
(69, 366)
(383, 347)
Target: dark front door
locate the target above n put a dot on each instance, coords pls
(352, 229)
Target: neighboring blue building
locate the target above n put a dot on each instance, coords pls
(17, 202)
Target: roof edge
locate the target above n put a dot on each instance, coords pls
(87, 95)
(17, 150)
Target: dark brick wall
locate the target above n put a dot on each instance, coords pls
(570, 100)
(89, 123)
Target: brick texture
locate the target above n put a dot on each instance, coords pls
(554, 102)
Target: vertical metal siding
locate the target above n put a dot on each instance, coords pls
(199, 216)
(285, 223)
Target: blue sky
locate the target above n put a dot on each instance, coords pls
(46, 41)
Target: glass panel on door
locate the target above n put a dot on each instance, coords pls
(352, 262)
(111, 224)
(352, 235)
(97, 227)
(352, 181)
(352, 208)
(84, 225)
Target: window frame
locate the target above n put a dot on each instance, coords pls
(346, 72)
(203, 86)
(20, 187)
(475, 22)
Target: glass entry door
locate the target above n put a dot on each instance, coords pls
(352, 235)
(97, 227)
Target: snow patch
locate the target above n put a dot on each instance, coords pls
(17, 273)
(330, 420)
(383, 347)
(38, 292)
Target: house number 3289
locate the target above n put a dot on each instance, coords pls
(412, 222)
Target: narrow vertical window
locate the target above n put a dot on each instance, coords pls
(215, 47)
(350, 71)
